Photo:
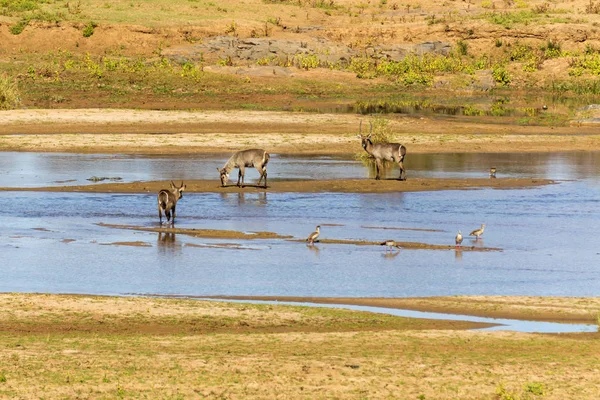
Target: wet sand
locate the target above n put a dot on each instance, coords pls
(229, 234)
(549, 309)
(306, 186)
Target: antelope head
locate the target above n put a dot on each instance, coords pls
(365, 139)
(178, 190)
(224, 175)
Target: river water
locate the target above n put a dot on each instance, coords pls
(51, 242)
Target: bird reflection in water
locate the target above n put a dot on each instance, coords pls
(390, 255)
(458, 254)
(314, 249)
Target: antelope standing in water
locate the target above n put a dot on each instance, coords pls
(257, 158)
(393, 152)
(167, 201)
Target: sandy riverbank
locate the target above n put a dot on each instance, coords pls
(173, 132)
(68, 346)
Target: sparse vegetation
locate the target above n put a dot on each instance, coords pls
(9, 94)
(88, 30)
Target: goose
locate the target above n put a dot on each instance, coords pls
(313, 236)
(458, 239)
(478, 232)
(390, 244)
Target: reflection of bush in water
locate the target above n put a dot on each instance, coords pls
(381, 134)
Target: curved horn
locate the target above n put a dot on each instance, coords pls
(360, 128)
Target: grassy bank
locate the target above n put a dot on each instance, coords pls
(501, 61)
(102, 347)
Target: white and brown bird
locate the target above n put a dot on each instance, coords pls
(458, 239)
(390, 245)
(492, 172)
(478, 232)
(313, 236)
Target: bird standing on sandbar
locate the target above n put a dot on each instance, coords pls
(313, 236)
(390, 245)
(492, 172)
(458, 239)
(478, 232)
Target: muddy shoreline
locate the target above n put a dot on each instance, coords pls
(230, 234)
(305, 186)
(509, 307)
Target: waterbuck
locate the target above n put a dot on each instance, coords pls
(257, 158)
(394, 152)
(167, 201)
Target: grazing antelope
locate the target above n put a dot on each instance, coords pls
(313, 236)
(167, 201)
(458, 239)
(390, 245)
(478, 232)
(257, 158)
(394, 152)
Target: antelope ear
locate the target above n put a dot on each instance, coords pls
(173, 185)
(369, 137)
(183, 187)
(359, 136)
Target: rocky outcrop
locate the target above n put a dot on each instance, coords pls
(263, 49)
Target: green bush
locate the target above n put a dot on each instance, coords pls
(501, 75)
(88, 30)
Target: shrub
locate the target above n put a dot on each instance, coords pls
(501, 75)
(17, 28)
(9, 94)
(88, 30)
(462, 47)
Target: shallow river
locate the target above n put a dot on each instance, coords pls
(51, 241)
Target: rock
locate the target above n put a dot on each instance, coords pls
(103, 178)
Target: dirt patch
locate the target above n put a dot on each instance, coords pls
(132, 244)
(307, 186)
(407, 245)
(204, 233)
(232, 246)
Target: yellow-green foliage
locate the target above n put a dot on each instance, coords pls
(9, 94)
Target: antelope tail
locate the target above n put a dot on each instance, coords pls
(402, 152)
(266, 158)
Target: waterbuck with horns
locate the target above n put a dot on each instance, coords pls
(257, 158)
(393, 152)
(167, 201)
